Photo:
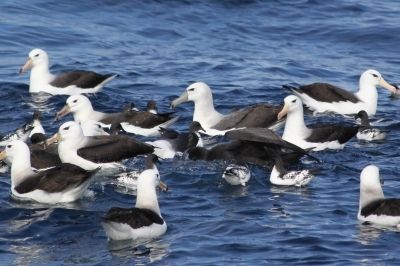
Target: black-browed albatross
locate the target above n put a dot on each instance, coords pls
(69, 83)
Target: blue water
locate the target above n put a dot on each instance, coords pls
(245, 50)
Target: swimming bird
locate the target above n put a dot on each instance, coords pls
(215, 123)
(258, 146)
(69, 83)
(373, 207)
(172, 142)
(38, 134)
(237, 174)
(279, 176)
(144, 221)
(365, 131)
(324, 97)
(137, 122)
(63, 183)
(90, 152)
(317, 137)
(22, 133)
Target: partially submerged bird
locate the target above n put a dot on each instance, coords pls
(172, 142)
(366, 131)
(63, 183)
(144, 221)
(281, 177)
(318, 137)
(373, 207)
(69, 83)
(237, 174)
(91, 152)
(324, 97)
(136, 122)
(215, 123)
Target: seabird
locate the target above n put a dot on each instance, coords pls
(215, 123)
(237, 174)
(69, 83)
(63, 183)
(258, 146)
(172, 142)
(318, 137)
(136, 122)
(38, 134)
(22, 133)
(280, 177)
(92, 128)
(152, 107)
(374, 208)
(324, 97)
(365, 131)
(144, 221)
(90, 152)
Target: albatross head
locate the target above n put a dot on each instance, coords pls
(292, 103)
(69, 132)
(374, 78)
(37, 57)
(74, 104)
(198, 91)
(15, 150)
(370, 186)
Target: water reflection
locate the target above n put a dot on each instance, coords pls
(369, 233)
(143, 252)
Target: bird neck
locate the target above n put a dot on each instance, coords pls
(40, 77)
(295, 125)
(68, 152)
(368, 195)
(85, 114)
(369, 95)
(205, 113)
(146, 198)
(20, 169)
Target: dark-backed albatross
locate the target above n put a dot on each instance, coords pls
(318, 137)
(324, 97)
(215, 123)
(373, 206)
(69, 83)
(63, 183)
(144, 221)
(136, 122)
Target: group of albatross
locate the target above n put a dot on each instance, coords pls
(60, 168)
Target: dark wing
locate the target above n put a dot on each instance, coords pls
(38, 137)
(324, 133)
(79, 78)
(389, 207)
(105, 149)
(261, 115)
(43, 159)
(168, 133)
(325, 92)
(57, 179)
(134, 217)
(137, 118)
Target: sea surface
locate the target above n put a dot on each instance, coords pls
(245, 51)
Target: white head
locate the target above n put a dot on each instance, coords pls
(374, 78)
(93, 128)
(37, 58)
(75, 104)
(292, 104)
(70, 131)
(195, 92)
(15, 150)
(370, 186)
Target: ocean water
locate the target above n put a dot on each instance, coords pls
(246, 51)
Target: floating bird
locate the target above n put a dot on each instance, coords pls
(215, 123)
(144, 221)
(172, 142)
(38, 134)
(318, 137)
(258, 146)
(63, 183)
(374, 208)
(69, 83)
(22, 133)
(365, 131)
(324, 97)
(279, 176)
(137, 122)
(237, 174)
(90, 152)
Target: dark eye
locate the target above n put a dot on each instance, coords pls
(75, 101)
(99, 126)
(294, 100)
(9, 146)
(191, 89)
(66, 128)
(36, 55)
(375, 75)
